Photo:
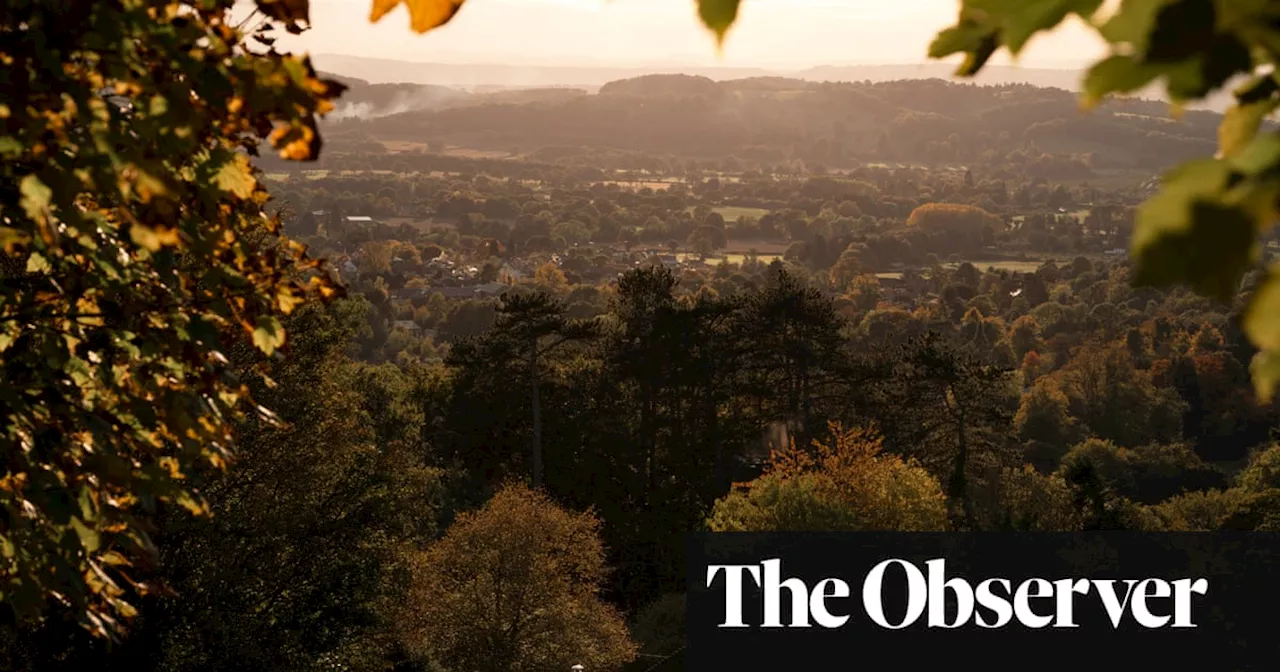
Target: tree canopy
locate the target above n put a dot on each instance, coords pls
(1202, 229)
(136, 252)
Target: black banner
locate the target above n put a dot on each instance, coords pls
(984, 601)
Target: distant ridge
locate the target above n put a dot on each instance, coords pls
(493, 76)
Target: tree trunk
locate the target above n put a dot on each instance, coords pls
(959, 487)
(537, 415)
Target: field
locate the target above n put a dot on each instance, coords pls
(640, 184)
(732, 213)
(1006, 265)
(758, 246)
(732, 257)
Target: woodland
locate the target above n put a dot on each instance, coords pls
(444, 388)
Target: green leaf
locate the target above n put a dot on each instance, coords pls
(1265, 369)
(1185, 234)
(1182, 29)
(962, 38)
(35, 196)
(1257, 89)
(1116, 74)
(268, 334)
(1133, 23)
(88, 536)
(10, 147)
(1240, 123)
(1261, 155)
(88, 511)
(718, 15)
(1262, 318)
(979, 57)
(1024, 18)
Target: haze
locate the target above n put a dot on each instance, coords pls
(769, 34)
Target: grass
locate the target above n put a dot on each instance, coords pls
(651, 184)
(1005, 265)
(761, 247)
(737, 258)
(732, 213)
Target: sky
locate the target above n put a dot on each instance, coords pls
(769, 34)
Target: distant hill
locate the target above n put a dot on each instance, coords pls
(490, 76)
(366, 100)
(470, 76)
(773, 119)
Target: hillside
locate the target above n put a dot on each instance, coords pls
(473, 76)
(774, 119)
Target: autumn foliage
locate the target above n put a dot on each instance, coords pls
(846, 483)
(514, 587)
(953, 218)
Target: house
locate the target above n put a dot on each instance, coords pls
(668, 260)
(358, 220)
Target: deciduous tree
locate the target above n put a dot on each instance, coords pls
(514, 587)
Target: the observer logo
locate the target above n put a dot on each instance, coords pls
(953, 602)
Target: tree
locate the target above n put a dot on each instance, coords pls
(529, 327)
(1043, 421)
(514, 587)
(848, 484)
(549, 277)
(256, 583)
(1202, 229)
(951, 408)
(136, 252)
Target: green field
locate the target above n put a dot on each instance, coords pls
(731, 213)
(732, 257)
(1005, 265)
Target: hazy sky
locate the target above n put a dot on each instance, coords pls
(769, 33)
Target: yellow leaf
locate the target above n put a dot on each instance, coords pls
(36, 196)
(11, 238)
(1240, 123)
(287, 300)
(36, 263)
(149, 186)
(153, 238)
(88, 536)
(114, 559)
(424, 15)
(268, 334)
(236, 177)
